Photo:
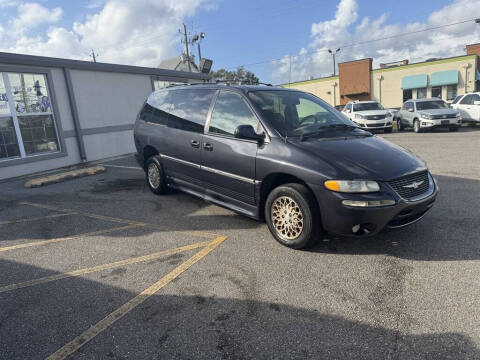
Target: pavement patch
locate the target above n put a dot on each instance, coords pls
(73, 174)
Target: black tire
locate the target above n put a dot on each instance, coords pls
(416, 126)
(306, 206)
(153, 165)
(399, 124)
(387, 131)
(453, 128)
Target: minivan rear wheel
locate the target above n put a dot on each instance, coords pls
(155, 176)
(291, 215)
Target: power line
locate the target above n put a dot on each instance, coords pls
(361, 42)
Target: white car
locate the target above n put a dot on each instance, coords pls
(468, 105)
(369, 115)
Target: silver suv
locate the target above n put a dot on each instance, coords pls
(427, 114)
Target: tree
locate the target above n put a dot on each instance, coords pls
(238, 76)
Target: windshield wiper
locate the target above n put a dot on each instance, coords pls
(323, 128)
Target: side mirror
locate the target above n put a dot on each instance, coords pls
(476, 102)
(247, 132)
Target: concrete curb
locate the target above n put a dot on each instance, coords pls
(37, 182)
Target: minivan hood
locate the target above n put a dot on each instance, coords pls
(370, 158)
(449, 112)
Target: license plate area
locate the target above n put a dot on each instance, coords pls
(445, 122)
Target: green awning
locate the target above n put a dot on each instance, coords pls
(414, 81)
(449, 77)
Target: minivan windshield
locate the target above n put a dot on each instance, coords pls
(294, 113)
(435, 104)
(367, 106)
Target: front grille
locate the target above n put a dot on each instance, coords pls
(410, 192)
(442, 116)
(375, 125)
(375, 117)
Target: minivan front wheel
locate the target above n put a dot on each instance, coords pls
(290, 212)
(155, 177)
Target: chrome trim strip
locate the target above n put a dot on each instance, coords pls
(212, 170)
(224, 173)
(180, 161)
(409, 223)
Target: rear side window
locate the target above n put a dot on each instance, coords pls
(189, 108)
(456, 99)
(231, 111)
(155, 110)
(467, 100)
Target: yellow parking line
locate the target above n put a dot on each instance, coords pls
(119, 220)
(35, 218)
(111, 265)
(116, 315)
(44, 242)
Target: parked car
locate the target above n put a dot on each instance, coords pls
(468, 105)
(281, 155)
(427, 114)
(369, 115)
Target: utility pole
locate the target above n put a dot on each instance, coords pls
(290, 70)
(198, 39)
(186, 47)
(333, 52)
(94, 56)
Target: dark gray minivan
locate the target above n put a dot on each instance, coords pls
(281, 155)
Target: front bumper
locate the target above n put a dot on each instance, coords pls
(440, 123)
(341, 220)
(386, 124)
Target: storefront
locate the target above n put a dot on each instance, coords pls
(393, 84)
(59, 112)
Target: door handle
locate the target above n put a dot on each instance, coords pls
(195, 143)
(207, 146)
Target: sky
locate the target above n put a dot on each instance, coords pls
(279, 40)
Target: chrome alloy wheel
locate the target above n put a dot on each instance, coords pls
(153, 176)
(287, 218)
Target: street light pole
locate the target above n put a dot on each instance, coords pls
(334, 52)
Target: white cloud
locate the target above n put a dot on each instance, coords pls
(136, 32)
(346, 28)
(32, 15)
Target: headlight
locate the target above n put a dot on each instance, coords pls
(426, 116)
(458, 115)
(388, 115)
(352, 186)
(358, 116)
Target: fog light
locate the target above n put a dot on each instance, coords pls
(356, 228)
(373, 203)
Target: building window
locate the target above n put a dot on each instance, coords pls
(451, 92)
(437, 92)
(421, 93)
(407, 95)
(27, 125)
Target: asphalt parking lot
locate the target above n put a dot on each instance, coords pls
(100, 268)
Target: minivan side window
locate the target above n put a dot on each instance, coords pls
(155, 109)
(189, 108)
(475, 97)
(229, 112)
